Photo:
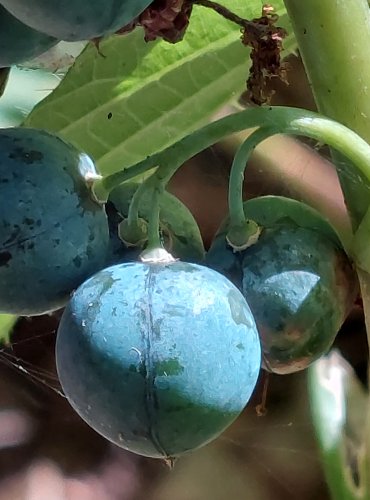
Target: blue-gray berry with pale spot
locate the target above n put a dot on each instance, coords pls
(158, 358)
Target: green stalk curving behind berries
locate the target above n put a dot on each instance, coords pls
(303, 122)
(333, 39)
(272, 120)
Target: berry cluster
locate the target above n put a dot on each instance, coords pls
(158, 353)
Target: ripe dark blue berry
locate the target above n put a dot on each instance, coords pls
(53, 235)
(75, 19)
(18, 42)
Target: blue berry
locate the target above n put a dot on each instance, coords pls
(53, 235)
(73, 20)
(158, 357)
(18, 42)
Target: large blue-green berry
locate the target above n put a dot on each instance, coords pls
(18, 42)
(73, 20)
(53, 235)
(225, 260)
(296, 278)
(300, 287)
(158, 357)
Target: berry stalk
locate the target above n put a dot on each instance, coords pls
(333, 39)
(273, 120)
(282, 119)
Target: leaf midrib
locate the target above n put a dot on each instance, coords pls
(121, 146)
(105, 158)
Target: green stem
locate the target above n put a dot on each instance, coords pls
(364, 280)
(154, 239)
(334, 42)
(275, 119)
(133, 230)
(328, 384)
(103, 187)
(361, 243)
(155, 186)
(300, 122)
(242, 232)
(133, 212)
(333, 39)
(332, 133)
(239, 165)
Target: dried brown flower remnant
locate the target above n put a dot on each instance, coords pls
(265, 40)
(167, 19)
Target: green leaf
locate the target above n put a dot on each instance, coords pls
(7, 321)
(138, 98)
(338, 407)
